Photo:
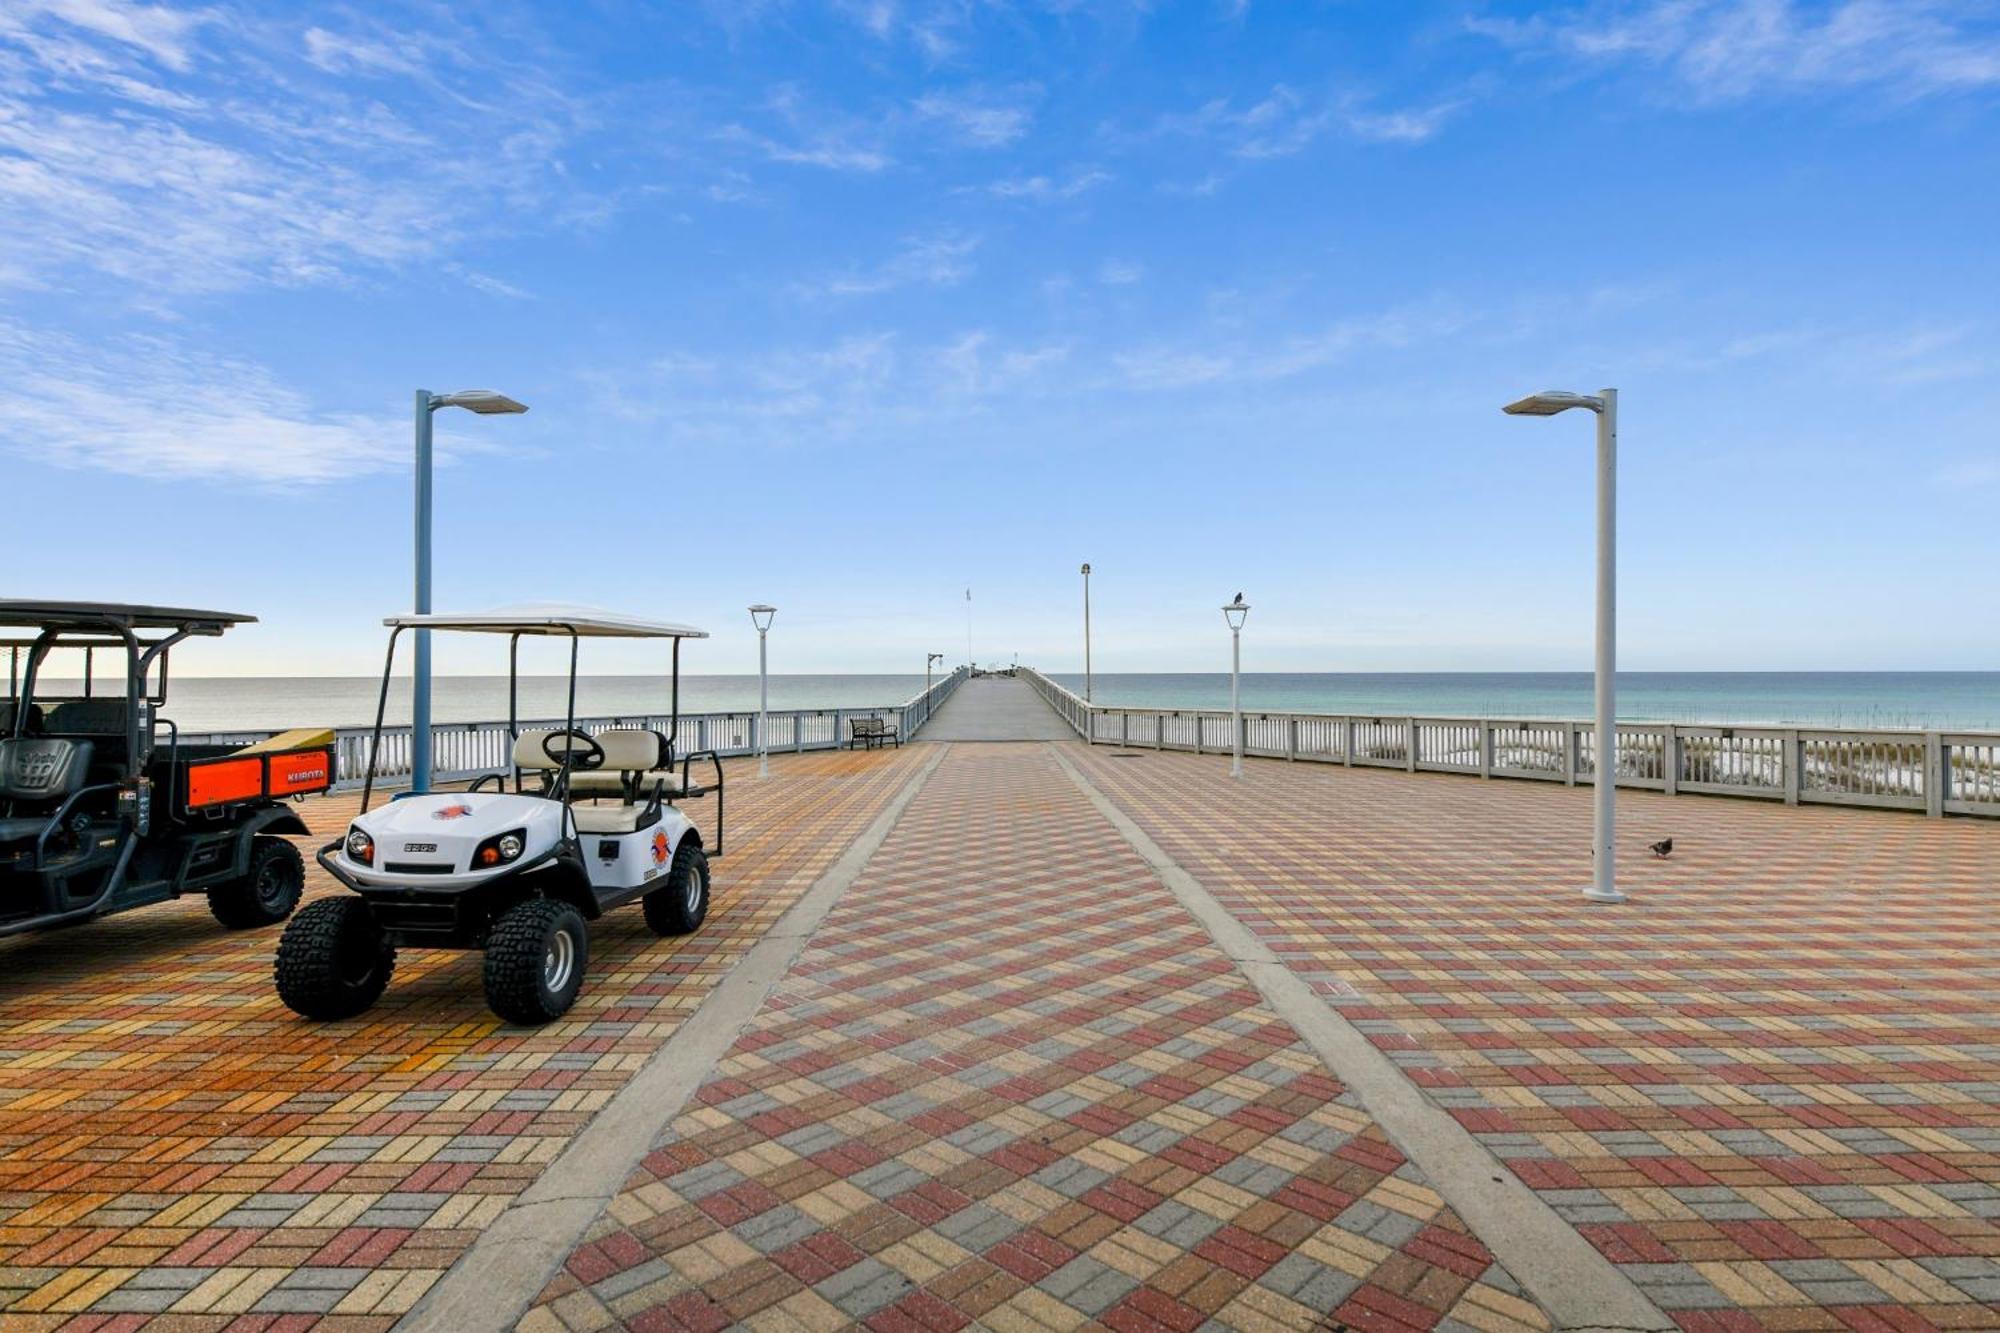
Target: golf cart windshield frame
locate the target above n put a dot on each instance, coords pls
(91, 626)
(575, 630)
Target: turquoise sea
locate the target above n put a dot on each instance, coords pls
(1968, 700)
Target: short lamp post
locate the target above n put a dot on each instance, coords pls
(1236, 613)
(760, 616)
(486, 403)
(1086, 633)
(933, 659)
(1604, 883)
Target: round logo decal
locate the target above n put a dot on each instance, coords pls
(660, 846)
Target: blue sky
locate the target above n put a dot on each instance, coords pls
(850, 306)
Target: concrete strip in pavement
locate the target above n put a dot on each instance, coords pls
(493, 1284)
(1576, 1284)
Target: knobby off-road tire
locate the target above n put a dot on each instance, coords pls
(679, 906)
(333, 960)
(535, 957)
(265, 895)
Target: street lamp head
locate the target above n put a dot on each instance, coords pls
(1236, 612)
(483, 401)
(1551, 401)
(760, 616)
(1086, 568)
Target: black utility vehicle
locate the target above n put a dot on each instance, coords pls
(103, 807)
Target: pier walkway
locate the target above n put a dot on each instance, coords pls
(995, 708)
(1047, 1036)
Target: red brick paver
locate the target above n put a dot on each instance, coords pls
(1012, 1082)
(173, 1140)
(1768, 1087)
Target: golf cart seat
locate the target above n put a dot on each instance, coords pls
(39, 770)
(634, 767)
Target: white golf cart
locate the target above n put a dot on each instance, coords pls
(590, 823)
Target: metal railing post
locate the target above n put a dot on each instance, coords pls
(1410, 750)
(1794, 766)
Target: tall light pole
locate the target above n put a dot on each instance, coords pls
(1086, 631)
(760, 616)
(486, 403)
(1604, 882)
(968, 629)
(1235, 613)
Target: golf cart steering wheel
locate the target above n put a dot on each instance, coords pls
(581, 759)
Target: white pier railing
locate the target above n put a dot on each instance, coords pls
(1935, 772)
(461, 750)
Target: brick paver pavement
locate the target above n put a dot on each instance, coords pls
(1012, 1081)
(173, 1140)
(1768, 1087)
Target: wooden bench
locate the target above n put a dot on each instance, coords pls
(872, 732)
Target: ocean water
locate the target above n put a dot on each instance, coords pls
(255, 703)
(1965, 700)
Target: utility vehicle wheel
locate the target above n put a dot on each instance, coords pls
(535, 957)
(268, 893)
(333, 960)
(679, 906)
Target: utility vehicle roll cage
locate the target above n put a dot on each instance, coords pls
(575, 624)
(92, 626)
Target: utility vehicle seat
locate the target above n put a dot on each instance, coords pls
(88, 717)
(40, 770)
(103, 721)
(8, 710)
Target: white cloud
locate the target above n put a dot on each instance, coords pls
(982, 121)
(862, 386)
(827, 152)
(1120, 272)
(1727, 50)
(486, 282)
(160, 33)
(1045, 189)
(155, 408)
(811, 136)
(1285, 122)
(1192, 363)
(943, 260)
(131, 150)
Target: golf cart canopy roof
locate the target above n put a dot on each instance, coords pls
(587, 622)
(100, 615)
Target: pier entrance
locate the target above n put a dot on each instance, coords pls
(996, 708)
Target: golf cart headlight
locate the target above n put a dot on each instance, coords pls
(501, 850)
(360, 847)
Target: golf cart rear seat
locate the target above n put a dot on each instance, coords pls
(631, 769)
